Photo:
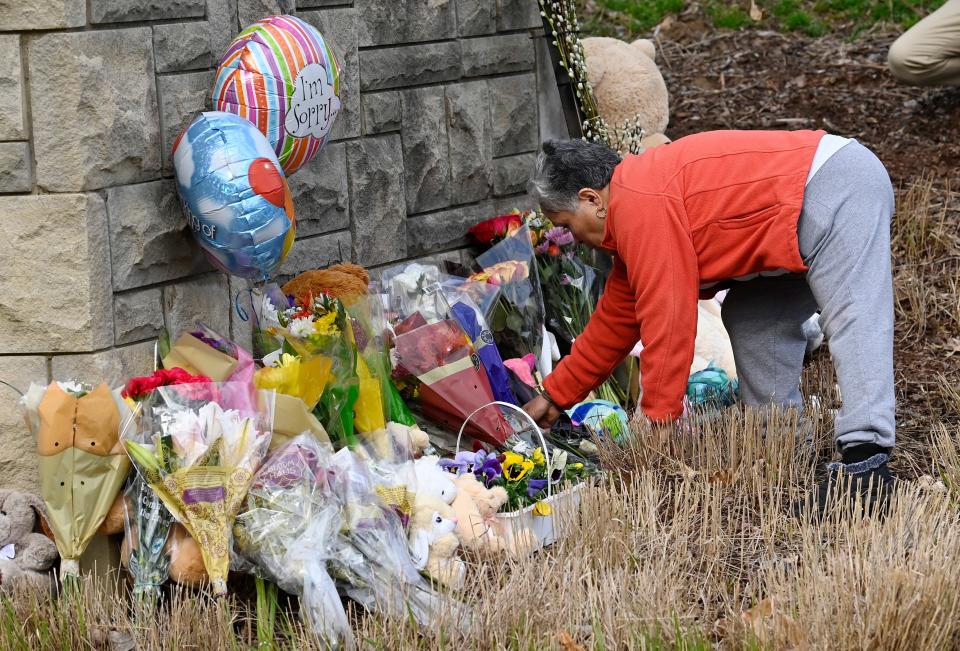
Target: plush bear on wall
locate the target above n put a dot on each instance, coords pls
(25, 553)
(628, 85)
(338, 281)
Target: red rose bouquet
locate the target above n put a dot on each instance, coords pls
(452, 382)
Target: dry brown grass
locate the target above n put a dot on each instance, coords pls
(690, 543)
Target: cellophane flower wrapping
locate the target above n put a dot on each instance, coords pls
(452, 383)
(517, 320)
(471, 319)
(198, 447)
(147, 523)
(291, 529)
(373, 565)
(321, 328)
(411, 288)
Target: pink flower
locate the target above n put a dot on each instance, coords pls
(560, 236)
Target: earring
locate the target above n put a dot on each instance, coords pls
(601, 213)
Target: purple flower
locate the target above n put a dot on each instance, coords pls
(541, 248)
(559, 236)
(565, 279)
(489, 471)
(535, 486)
(463, 463)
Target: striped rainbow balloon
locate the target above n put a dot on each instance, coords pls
(282, 75)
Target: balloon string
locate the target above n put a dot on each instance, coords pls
(242, 313)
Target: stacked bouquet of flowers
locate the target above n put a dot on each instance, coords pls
(315, 337)
(197, 447)
(147, 521)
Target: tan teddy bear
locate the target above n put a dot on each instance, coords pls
(433, 543)
(628, 86)
(476, 508)
(339, 281)
(26, 554)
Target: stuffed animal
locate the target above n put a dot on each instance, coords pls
(113, 522)
(628, 85)
(424, 477)
(25, 553)
(433, 543)
(476, 507)
(186, 561)
(395, 440)
(339, 281)
(713, 343)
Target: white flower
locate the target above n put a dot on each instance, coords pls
(302, 327)
(268, 314)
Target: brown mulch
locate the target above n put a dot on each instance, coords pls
(766, 80)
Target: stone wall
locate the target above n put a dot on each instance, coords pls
(443, 110)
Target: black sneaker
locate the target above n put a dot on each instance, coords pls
(868, 484)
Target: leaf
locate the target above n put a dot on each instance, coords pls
(756, 13)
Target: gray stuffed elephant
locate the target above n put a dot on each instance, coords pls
(25, 555)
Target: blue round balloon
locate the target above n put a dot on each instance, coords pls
(604, 418)
(235, 194)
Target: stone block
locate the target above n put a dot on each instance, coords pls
(94, 105)
(223, 25)
(381, 112)
(181, 98)
(137, 315)
(61, 236)
(503, 205)
(18, 446)
(253, 10)
(426, 164)
(182, 46)
(375, 172)
(320, 197)
(313, 4)
(405, 21)
(123, 11)
(518, 14)
(11, 88)
(497, 55)
(316, 252)
(23, 15)
(510, 174)
(149, 238)
(204, 298)
(409, 65)
(16, 167)
(241, 326)
(471, 147)
(114, 366)
(340, 26)
(513, 110)
(446, 229)
(476, 17)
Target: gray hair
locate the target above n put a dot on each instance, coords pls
(565, 167)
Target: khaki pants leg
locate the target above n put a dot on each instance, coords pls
(929, 52)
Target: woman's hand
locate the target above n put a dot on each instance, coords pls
(544, 412)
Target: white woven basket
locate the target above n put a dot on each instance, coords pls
(564, 505)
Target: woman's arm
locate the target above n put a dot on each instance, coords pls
(610, 335)
(664, 277)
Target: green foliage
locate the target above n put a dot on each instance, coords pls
(637, 18)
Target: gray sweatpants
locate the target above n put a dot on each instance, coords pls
(844, 234)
